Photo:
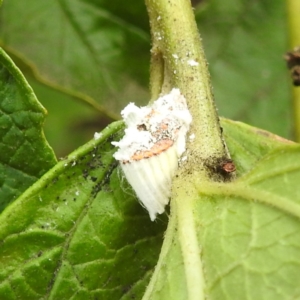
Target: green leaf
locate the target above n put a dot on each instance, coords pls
(93, 49)
(250, 79)
(69, 123)
(248, 144)
(79, 233)
(24, 153)
(237, 240)
(252, 247)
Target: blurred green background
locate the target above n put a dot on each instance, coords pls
(86, 59)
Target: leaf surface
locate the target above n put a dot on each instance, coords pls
(83, 232)
(250, 231)
(69, 123)
(95, 49)
(237, 240)
(245, 43)
(79, 233)
(24, 153)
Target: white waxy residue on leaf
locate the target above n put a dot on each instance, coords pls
(153, 142)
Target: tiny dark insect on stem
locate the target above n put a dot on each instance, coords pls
(227, 166)
(222, 167)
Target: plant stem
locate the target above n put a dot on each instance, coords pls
(178, 61)
(175, 36)
(293, 7)
(156, 73)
